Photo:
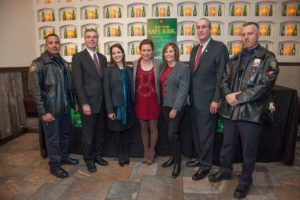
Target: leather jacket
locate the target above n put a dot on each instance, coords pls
(256, 83)
(46, 85)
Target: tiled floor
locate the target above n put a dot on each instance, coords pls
(24, 175)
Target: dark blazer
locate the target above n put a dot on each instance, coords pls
(87, 81)
(204, 87)
(176, 86)
(113, 87)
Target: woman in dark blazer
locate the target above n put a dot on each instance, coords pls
(174, 82)
(118, 91)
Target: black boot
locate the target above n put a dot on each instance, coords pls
(176, 170)
(169, 162)
(177, 160)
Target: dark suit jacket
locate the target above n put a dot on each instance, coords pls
(176, 86)
(113, 87)
(204, 87)
(87, 81)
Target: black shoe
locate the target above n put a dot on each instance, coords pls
(200, 174)
(193, 163)
(241, 192)
(101, 161)
(70, 161)
(91, 167)
(169, 162)
(59, 173)
(176, 170)
(219, 176)
(127, 162)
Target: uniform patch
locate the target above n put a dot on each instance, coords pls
(273, 64)
(256, 62)
(32, 68)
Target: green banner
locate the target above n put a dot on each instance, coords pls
(161, 31)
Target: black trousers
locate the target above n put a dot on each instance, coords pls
(93, 135)
(203, 128)
(250, 136)
(173, 131)
(121, 140)
(57, 137)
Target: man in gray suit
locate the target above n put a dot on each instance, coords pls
(87, 75)
(207, 62)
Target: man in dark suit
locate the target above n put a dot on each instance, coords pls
(207, 62)
(87, 77)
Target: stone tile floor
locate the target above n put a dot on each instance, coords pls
(25, 175)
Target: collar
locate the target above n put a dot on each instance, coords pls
(92, 53)
(204, 45)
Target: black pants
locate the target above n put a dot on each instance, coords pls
(121, 139)
(92, 135)
(57, 136)
(173, 131)
(250, 135)
(203, 128)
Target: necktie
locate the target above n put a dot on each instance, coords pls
(198, 57)
(97, 63)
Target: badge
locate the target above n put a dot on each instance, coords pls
(273, 64)
(256, 62)
(32, 68)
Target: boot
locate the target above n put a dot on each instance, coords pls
(176, 170)
(169, 162)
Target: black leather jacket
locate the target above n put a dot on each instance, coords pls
(257, 81)
(46, 85)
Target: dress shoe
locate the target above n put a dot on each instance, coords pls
(241, 192)
(101, 161)
(59, 173)
(176, 170)
(123, 163)
(219, 176)
(91, 167)
(200, 174)
(127, 162)
(70, 161)
(169, 162)
(193, 163)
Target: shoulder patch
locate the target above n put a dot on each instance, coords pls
(273, 64)
(32, 68)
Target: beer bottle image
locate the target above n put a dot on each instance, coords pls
(181, 49)
(245, 11)
(144, 12)
(53, 16)
(132, 31)
(96, 29)
(181, 11)
(281, 50)
(232, 10)
(53, 31)
(267, 46)
(195, 11)
(75, 33)
(44, 34)
(181, 30)
(168, 11)
(294, 50)
(295, 30)
(257, 10)
(271, 10)
(73, 15)
(108, 31)
(132, 50)
(43, 17)
(65, 51)
(284, 10)
(219, 30)
(269, 30)
(119, 13)
(283, 30)
(132, 12)
(230, 49)
(76, 49)
(107, 13)
(97, 48)
(108, 49)
(156, 12)
(206, 10)
(64, 16)
(193, 29)
(232, 30)
(298, 10)
(85, 14)
(65, 33)
(220, 11)
(119, 31)
(96, 13)
(143, 30)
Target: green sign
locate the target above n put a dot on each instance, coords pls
(162, 31)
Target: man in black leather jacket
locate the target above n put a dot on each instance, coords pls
(49, 82)
(245, 88)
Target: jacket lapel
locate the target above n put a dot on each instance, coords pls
(205, 53)
(90, 63)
